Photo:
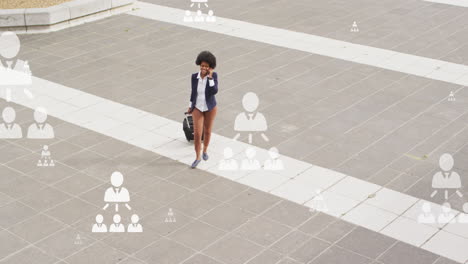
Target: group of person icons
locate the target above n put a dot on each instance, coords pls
(451, 97)
(252, 122)
(170, 218)
(46, 158)
(116, 195)
(444, 180)
(250, 162)
(117, 226)
(354, 27)
(40, 129)
(188, 17)
(198, 17)
(446, 216)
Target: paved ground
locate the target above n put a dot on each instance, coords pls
(381, 126)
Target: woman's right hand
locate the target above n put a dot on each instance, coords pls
(189, 110)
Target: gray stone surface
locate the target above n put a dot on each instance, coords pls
(356, 119)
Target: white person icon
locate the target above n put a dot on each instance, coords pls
(13, 71)
(251, 120)
(40, 129)
(446, 179)
(117, 194)
(9, 129)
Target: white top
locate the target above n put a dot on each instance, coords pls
(201, 100)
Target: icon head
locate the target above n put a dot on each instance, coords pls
(250, 153)
(465, 208)
(99, 219)
(9, 114)
(187, 12)
(40, 115)
(45, 147)
(426, 207)
(250, 102)
(210, 13)
(199, 13)
(228, 153)
(135, 218)
(273, 152)
(116, 179)
(9, 45)
(446, 208)
(117, 218)
(446, 162)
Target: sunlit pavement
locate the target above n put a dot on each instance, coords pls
(386, 128)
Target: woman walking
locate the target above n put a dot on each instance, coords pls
(203, 103)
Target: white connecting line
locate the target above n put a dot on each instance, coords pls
(365, 204)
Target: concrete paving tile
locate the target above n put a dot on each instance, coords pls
(24, 164)
(223, 189)
(164, 251)
(195, 204)
(443, 260)
(163, 192)
(232, 250)
(14, 213)
(98, 252)
(157, 221)
(336, 231)
(72, 211)
(29, 231)
(162, 167)
(5, 199)
(200, 259)
(262, 231)
(131, 260)
(227, 217)
(83, 159)
(45, 198)
(11, 243)
(191, 179)
(197, 235)
(61, 244)
(310, 250)
(290, 242)
(317, 223)
(267, 256)
(337, 255)
(448, 245)
(11, 152)
(370, 244)
(78, 183)
(30, 255)
(412, 255)
(254, 201)
(288, 213)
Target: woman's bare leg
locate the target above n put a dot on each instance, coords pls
(208, 125)
(198, 120)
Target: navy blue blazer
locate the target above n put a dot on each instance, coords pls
(209, 92)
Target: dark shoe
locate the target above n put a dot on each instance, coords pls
(205, 156)
(195, 163)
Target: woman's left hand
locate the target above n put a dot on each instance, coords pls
(210, 72)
